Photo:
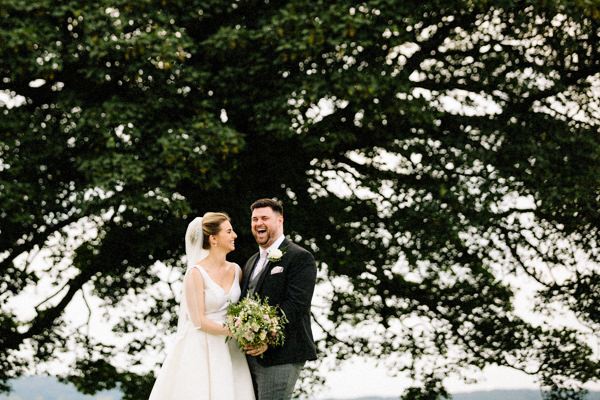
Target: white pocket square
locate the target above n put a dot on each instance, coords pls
(276, 270)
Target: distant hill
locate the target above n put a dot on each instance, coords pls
(510, 395)
(515, 394)
(49, 388)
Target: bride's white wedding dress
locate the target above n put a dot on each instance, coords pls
(201, 366)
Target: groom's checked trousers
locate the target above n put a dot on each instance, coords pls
(275, 382)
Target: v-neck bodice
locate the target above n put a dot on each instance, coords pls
(211, 280)
(216, 299)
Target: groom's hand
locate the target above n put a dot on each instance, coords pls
(256, 351)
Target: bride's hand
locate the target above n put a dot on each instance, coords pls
(227, 332)
(256, 351)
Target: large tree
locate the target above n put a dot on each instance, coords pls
(436, 156)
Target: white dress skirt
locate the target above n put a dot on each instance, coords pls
(201, 366)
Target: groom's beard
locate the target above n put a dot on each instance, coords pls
(266, 239)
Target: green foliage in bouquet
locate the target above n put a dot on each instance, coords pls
(253, 322)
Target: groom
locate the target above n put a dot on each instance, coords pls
(287, 278)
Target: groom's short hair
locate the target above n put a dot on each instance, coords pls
(275, 205)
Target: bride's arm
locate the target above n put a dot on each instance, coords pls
(194, 297)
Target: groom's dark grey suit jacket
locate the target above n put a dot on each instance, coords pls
(291, 290)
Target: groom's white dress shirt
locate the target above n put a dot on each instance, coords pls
(262, 260)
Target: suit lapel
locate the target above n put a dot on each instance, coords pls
(249, 267)
(267, 269)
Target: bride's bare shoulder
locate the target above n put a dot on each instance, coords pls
(235, 266)
(237, 270)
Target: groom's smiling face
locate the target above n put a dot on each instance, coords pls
(267, 226)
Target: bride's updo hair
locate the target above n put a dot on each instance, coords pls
(211, 225)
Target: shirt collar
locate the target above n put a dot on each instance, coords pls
(275, 244)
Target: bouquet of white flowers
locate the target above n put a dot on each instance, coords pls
(253, 322)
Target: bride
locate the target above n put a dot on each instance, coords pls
(200, 364)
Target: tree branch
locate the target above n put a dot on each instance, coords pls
(46, 318)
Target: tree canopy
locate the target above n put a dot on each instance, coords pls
(436, 156)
